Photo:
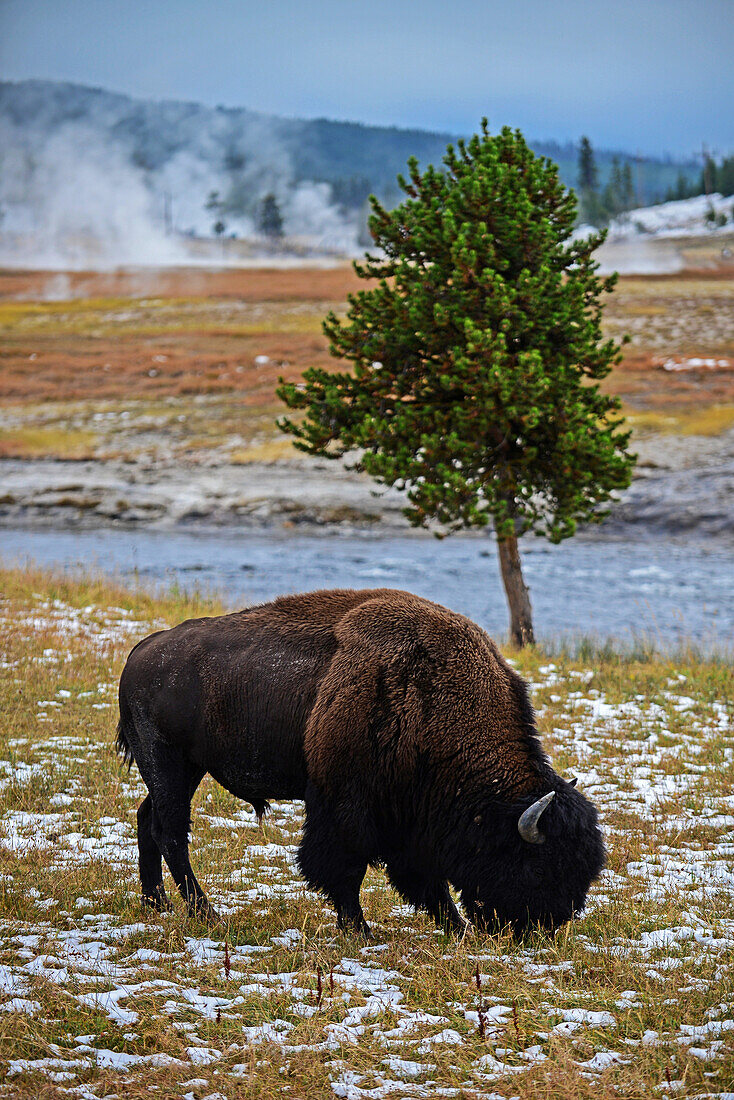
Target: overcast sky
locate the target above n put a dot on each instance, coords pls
(650, 75)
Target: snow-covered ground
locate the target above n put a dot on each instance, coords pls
(287, 995)
(647, 241)
(682, 218)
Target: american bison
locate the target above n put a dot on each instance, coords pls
(410, 738)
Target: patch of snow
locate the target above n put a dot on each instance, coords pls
(682, 217)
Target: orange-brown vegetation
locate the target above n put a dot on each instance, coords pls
(162, 333)
(246, 284)
(57, 368)
(143, 335)
(643, 382)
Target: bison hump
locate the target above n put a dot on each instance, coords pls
(397, 625)
(411, 681)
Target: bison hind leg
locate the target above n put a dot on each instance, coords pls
(149, 860)
(172, 783)
(422, 892)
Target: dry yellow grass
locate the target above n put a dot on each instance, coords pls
(47, 442)
(272, 450)
(674, 314)
(707, 421)
(158, 316)
(633, 999)
(191, 428)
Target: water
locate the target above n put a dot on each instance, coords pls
(669, 592)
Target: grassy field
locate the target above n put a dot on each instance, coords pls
(183, 365)
(634, 999)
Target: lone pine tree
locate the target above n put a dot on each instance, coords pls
(270, 221)
(588, 174)
(592, 207)
(476, 358)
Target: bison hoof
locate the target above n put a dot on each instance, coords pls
(355, 927)
(205, 912)
(157, 901)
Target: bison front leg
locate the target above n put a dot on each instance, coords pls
(429, 894)
(332, 866)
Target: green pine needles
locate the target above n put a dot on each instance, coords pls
(477, 355)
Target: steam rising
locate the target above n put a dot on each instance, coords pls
(90, 179)
(93, 179)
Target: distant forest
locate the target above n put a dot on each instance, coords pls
(214, 166)
(356, 159)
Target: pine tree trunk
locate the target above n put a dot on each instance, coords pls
(518, 598)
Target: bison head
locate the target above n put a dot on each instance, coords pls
(534, 861)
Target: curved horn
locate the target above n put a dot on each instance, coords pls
(573, 781)
(527, 826)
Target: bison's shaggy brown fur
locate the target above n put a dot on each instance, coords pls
(410, 738)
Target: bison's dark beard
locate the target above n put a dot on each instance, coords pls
(493, 924)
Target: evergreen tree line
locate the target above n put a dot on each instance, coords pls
(598, 206)
(714, 178)
(351, 195)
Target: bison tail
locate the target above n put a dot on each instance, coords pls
(123, 745)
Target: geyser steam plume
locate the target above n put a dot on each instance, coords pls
(90, 179)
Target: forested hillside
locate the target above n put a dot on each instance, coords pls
(80, 163)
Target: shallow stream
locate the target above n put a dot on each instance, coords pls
(668, 592)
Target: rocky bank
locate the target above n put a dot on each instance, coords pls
(683, 487)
